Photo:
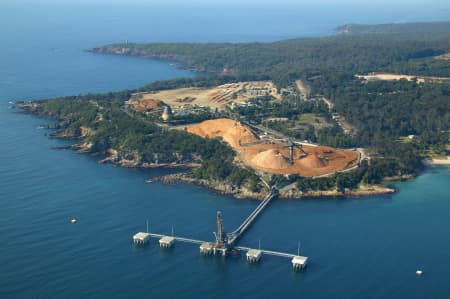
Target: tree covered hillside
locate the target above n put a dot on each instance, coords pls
(382, 112)
(403, 51)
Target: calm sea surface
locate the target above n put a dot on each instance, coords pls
(358, 248)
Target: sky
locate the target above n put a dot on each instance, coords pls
(441, 3)
(298, 2)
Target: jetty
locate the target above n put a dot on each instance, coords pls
(141, 238)
(225, 243)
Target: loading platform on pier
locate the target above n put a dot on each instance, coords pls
(166, 241)
(253, 255)
(141, 238)
(299, 262)
(224, 243)
(206, 248)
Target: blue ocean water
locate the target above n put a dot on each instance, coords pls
(358, 247)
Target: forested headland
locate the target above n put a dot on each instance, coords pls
(399, 122)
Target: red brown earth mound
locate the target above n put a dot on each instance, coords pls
(271, 159)
(231, 131)
(312, 161)
(274, 157)
(148, 105)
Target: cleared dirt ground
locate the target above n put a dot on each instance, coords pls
(303, 88)
(389, 76)
(150, 104)
(273, 157)
(444, 56)
(216, 97)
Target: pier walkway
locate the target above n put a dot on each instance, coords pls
(240, 248)
(236, 234)
(267, 252)
(226, 242)
(179, 239)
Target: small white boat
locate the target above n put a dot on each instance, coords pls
(419, 272)
(73, 221)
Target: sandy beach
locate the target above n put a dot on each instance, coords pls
(440, 161)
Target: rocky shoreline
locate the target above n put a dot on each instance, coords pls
(176, 178)
(228, 189)
(132, 52)
(114, 50)
(136, 164)
(178, 60)
(85, 148)
(217, 186)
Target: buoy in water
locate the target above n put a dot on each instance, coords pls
(73, 220)
(419, 272)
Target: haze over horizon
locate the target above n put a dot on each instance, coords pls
(437, 3)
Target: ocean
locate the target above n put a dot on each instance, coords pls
(367, 247)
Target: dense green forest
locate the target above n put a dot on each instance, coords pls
(413, 29)
(383, 112)
(404, 51)
(140, 140)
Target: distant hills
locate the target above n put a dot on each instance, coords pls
(399, 28)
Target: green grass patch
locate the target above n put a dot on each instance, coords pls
(312, 119)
